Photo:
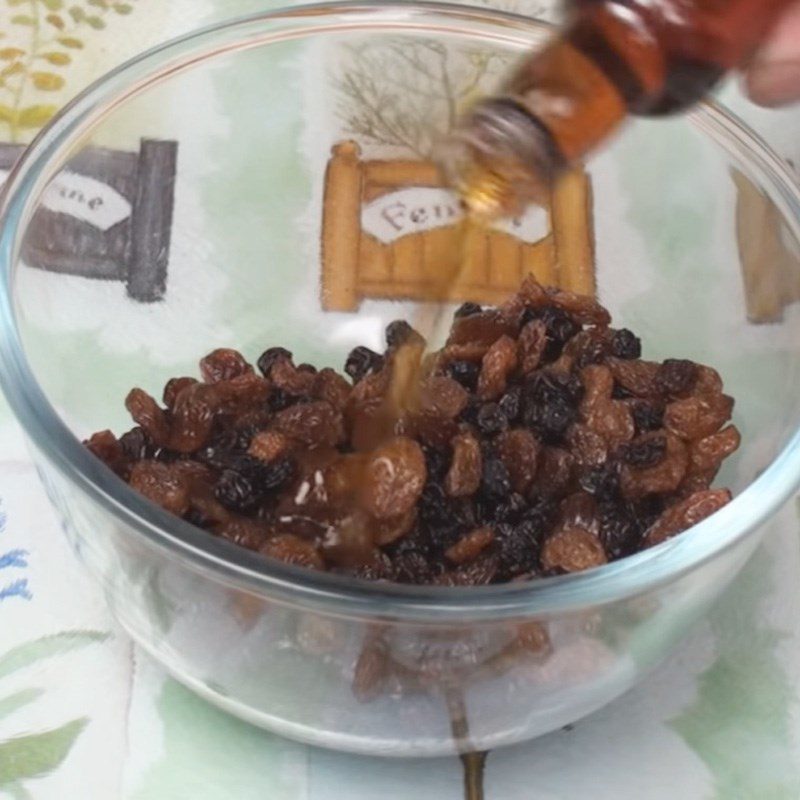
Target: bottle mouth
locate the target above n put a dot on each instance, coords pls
(500, 159)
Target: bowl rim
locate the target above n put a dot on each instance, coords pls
(247, 571)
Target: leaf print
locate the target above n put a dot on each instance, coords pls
(17, 588)
(6, 114)
(14, 558)
(71, 42)
(123, 8)
(20, 699)
(35, 116)
(37, 754)
(16, 2)
(59, 59)
(57, 21)
(23, 19)
(10, 53)
(46, 647)
(95, 22)
(47, 81)
(53, 5)
(77, 13)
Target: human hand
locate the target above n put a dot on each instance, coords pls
(773, 77)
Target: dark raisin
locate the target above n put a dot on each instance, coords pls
(362, 362)
(467, 310)
(470, 412)
(136, 445)
(601, 482)
(510, 509)
(676, 376)
(645, 453)
(550, 404)
(400, 332)
(647, 417)
(237, 491)
(560, 328)
(511, 402)
(411, 567)
(465, 372)
(619, 392)
(279, 399)
(270, 356)
(495, 480)
(517, 549)
(593, 351)
(625, 344)
(436, 462)
(491, 419)
(620, 529)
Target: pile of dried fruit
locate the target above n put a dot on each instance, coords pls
(536, 442)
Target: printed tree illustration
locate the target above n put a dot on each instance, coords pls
(405, 93)
(43, 39)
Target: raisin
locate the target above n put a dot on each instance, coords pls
(559, 329)
(572, 550)
(593, 348)
(490, 419)
(173, 388)
(550, 404)
(588, 447)
(465, 372)
(400, 332)
(109, 450)
(625, 345)
(707, 454)
(495, 480)
(268, 445)
(464, 476)
(222, 365)
(517, 549)
(237, 491)
(442, 397)
(317, 423)
(269, 357)
(480, 572)
(289, 378)
(519, 451)
(162, 484)
(467, 310)
(579, 510)
(555, 471)
(279, 400)
(363, 362)
(647, 416)
(244, 531)
(602, 482)
(511, 403)
(436, 463)
(583, 309)
(481, 329)
(533, 637)
(331, 387)
(148, 415)
(500, 360)
(293, 550)
(135, 444)
(685, 514)
(393, 478)
(192, 418)
(663, 477)
(470, 546)
(389, 530)
(699, 416)
(645, 452)
(531, 345)
(411, 567)
(638, 377)
(676, 377)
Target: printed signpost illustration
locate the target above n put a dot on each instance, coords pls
(107, 215)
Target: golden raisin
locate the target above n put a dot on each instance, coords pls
(572, 550)
(464, 476)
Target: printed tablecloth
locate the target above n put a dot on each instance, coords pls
(85, 714)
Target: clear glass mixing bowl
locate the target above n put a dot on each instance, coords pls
(695, 246)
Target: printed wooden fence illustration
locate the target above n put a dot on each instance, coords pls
(107, 215)
(391, 230)
(770, 269)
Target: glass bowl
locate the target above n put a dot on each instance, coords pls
(300, 134)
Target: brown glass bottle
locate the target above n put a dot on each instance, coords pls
(613, 58)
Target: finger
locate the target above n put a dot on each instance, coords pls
(773, 78)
